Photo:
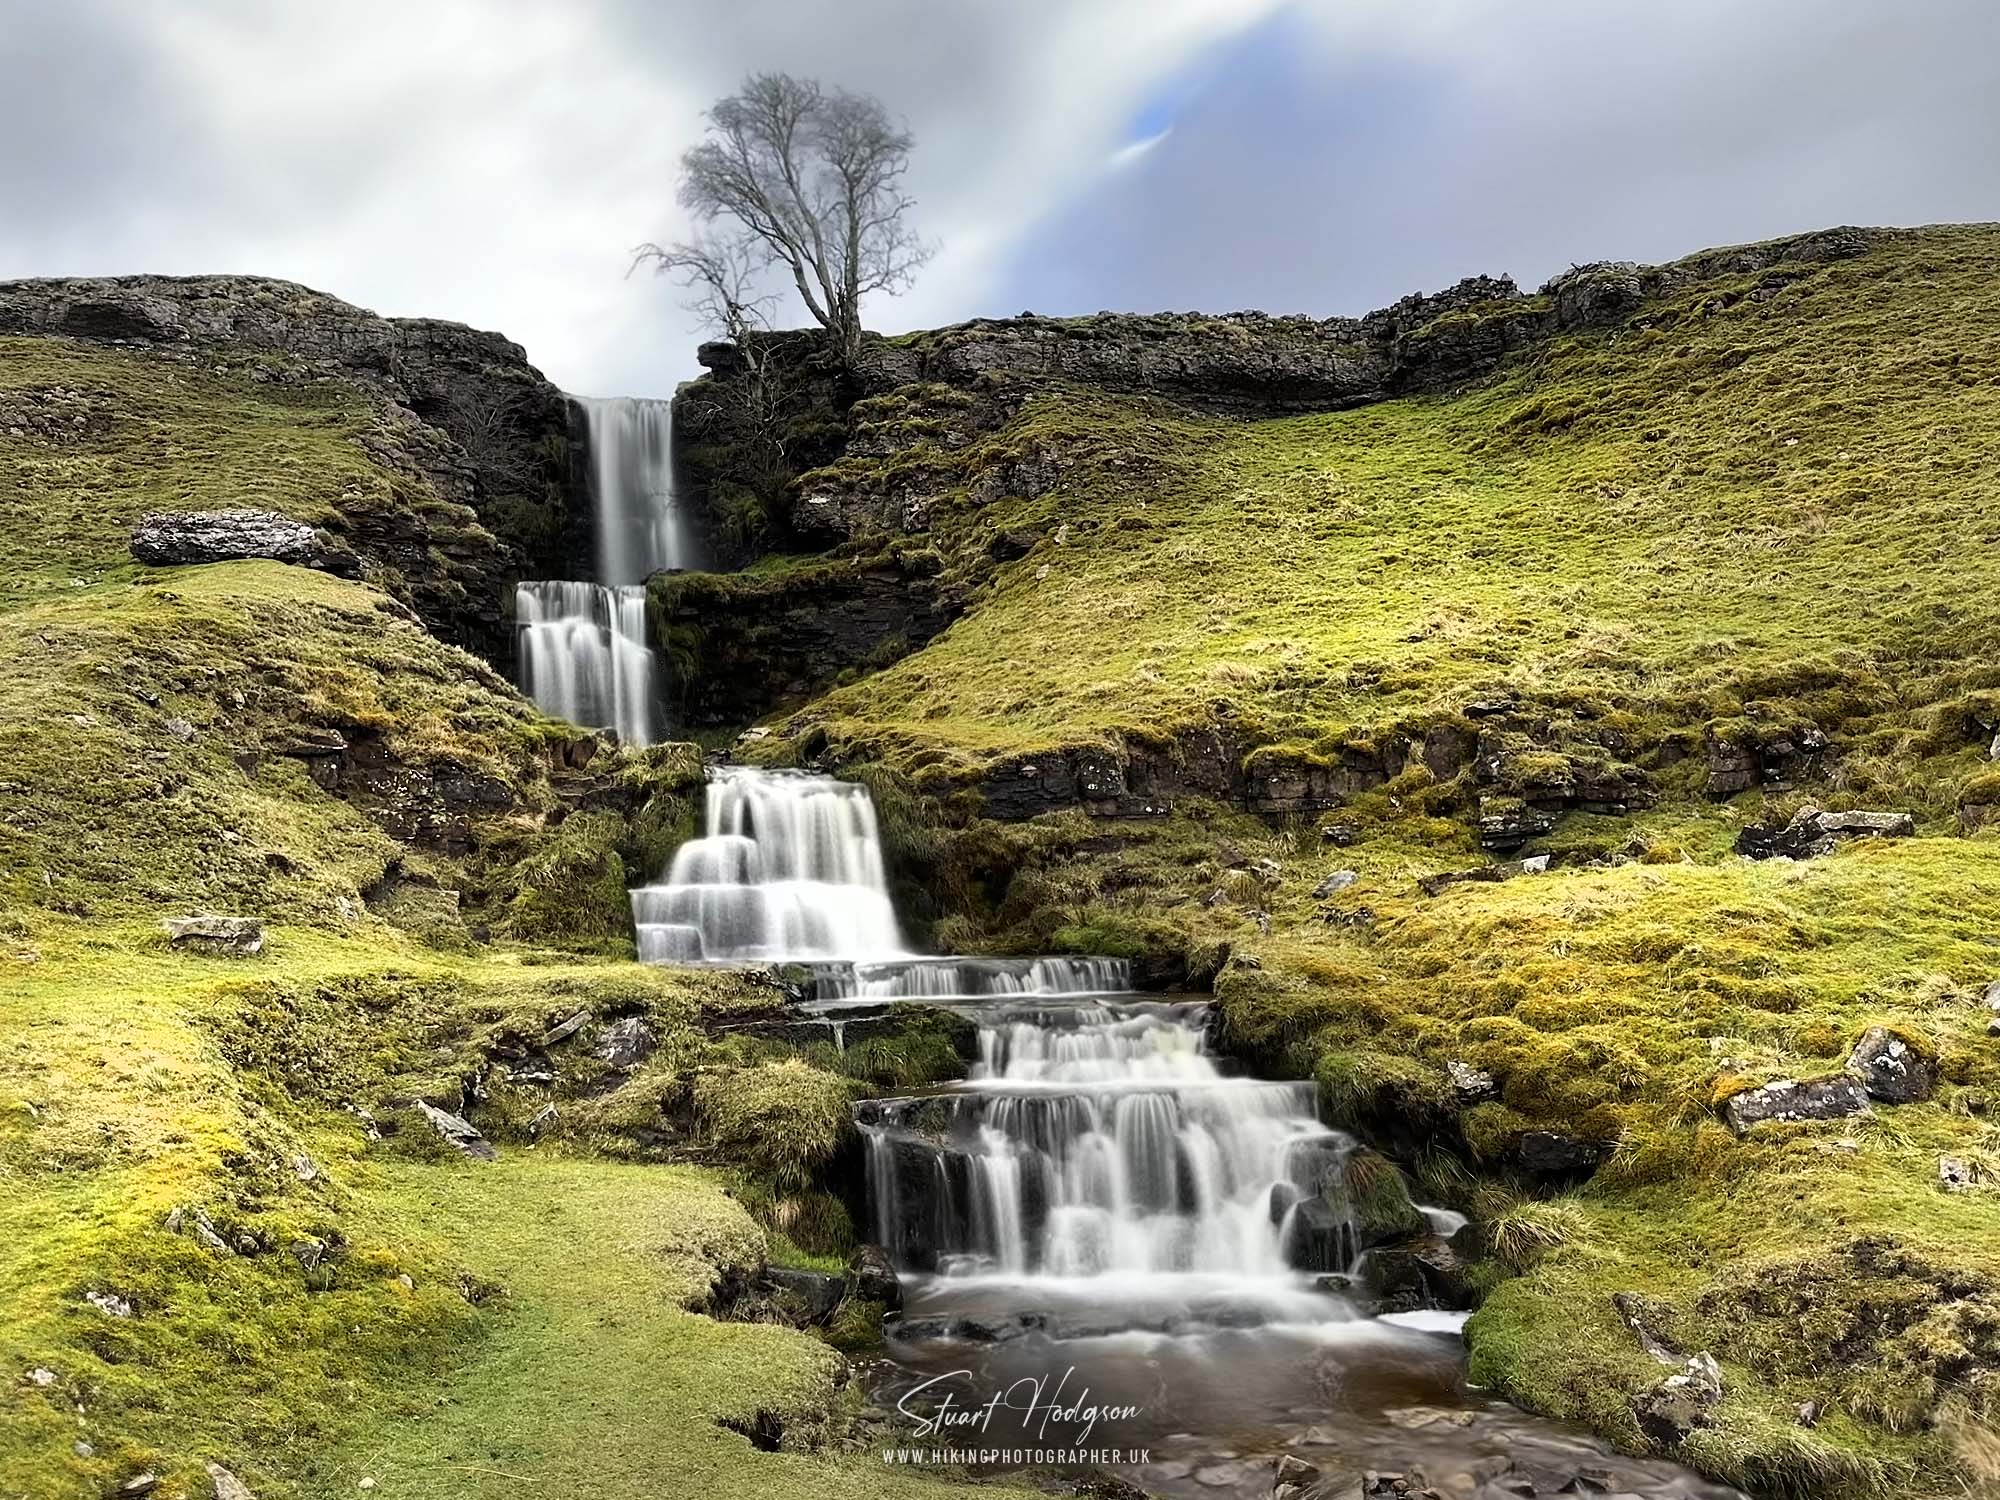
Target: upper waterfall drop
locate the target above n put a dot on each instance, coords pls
(583, 651)
(630, 446)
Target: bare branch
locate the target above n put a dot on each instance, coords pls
(810, 180)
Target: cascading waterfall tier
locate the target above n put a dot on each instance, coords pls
(583, 656)
(582, 644)
(1096, 1138)
(630, 447)
(789, 868)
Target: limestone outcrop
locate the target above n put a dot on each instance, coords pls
(459, 412)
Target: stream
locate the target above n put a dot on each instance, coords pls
(1116, 1254)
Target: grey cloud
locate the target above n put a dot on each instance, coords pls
(1332, 167)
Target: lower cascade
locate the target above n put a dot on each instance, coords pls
(583, 656)
(1096, 1139)
(1122, 1253)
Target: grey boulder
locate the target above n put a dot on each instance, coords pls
(1831, 1098)
(177, 538)
(1890, 1069)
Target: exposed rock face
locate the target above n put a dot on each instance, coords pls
(1830, 1098)
(460, 410)
(1890, 1069)
(743, 644)
(176, 538)
(1776, 758)
(1133, 778)
(804, 1298)
(225, 937)
(873, 1276)
(1812, 832)
(1240, 364)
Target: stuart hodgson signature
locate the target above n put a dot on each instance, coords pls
(1030, 1396)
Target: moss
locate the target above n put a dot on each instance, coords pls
(784, 1120)
(572, 887)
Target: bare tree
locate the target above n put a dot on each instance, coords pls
(812, 180)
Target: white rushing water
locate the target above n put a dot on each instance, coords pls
(582, 643)
(789, 867)
(630, 444)
(583, 656)
(1096, 1139)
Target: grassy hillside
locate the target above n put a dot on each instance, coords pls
(442, 872)
(1763, 505)
(1745, 496)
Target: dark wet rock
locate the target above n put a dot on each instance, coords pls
(1890, 1069)
(744, 644)
(1830, 1098)
(1680, 1403)
(873, 1275)
(1425, 1273)
(223, 937)
(1812, 832)
(627, 1043)
(973, 1330)
(1551, 1153)
(1397, 1485)
(807, 1298)
(457, 1132)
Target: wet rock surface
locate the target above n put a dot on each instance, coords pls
(1830, 1098)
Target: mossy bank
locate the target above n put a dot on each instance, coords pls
(234, 1228)
(1429, 731)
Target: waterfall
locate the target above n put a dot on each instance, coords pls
(630, 445)
(583, 656)
(789, 867)
(582, 644)
(1096, 1138)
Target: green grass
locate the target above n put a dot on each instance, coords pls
(598, 1380)
(1765, 501)
(1734, 501)
(134, 1080)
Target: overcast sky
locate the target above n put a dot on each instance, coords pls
(495, 160)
